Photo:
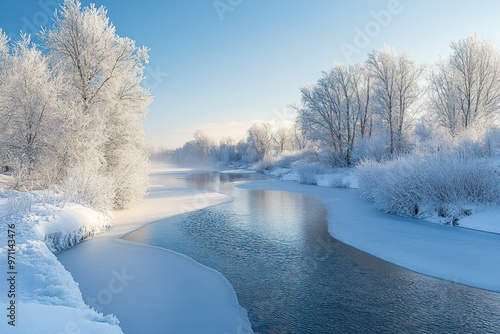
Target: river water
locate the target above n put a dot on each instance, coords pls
(293, 277)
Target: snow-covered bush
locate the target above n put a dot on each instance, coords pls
(430, 186)
(290, 159)
(266, 163)
(131, 181)
(338, 178)
(308, 173)
(19, 203)
(83, 185)
(492, 142)
(374, 148)
(286, 159)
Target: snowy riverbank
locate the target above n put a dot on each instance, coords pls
(457, 254)
(42, 295)
(480, 217)
(139, 289)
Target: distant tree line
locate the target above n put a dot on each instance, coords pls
(388, 106)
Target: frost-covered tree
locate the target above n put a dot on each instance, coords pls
(465, 88)
(3, 43)
(104, 98)
(334, 108)
(362, 99)
(299, 139)
(203, 144)
(30, 115)
(282, 138)
(225, 151)
(396, 91)
(260, 139)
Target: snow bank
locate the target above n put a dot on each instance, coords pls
(237, 171)
(43, 286)
(40, 318)
(63, 228)
(486, 219)
(319, 175)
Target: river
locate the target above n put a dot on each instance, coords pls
(293, 277)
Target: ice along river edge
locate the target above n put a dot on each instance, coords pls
(456, 254)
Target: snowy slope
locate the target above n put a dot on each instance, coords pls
(43, 286)
(487, 219)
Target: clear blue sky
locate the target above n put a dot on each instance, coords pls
(225, 73)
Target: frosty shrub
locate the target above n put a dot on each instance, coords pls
(374, 148)
(85, 186)
(308, 173)
(130, 182)
(266, 163)
(432, 185)
(19, 203)
(337, 178)
(290, 159)
(492, 142)
(286, 159)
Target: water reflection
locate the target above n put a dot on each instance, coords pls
(292, 277)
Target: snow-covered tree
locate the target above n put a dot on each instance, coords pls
(260, 139)
(299, 139)
(396, 91)
(362, 98)
(30, 115)
(333, 110)
(203, 144)
(3, 43)
(104, 98)
(225, 151)
(282, 138)
(465, 88)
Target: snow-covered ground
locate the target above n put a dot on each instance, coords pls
(131, 288)
(47, 299)
(456, 254)
(485, 219)
(323, 177)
